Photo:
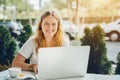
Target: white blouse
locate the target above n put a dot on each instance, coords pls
(28, 50)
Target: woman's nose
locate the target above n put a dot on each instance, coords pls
(50, 26)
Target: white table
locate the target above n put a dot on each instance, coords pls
(4, 75)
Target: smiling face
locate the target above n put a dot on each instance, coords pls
(49, 26)
(49, 31)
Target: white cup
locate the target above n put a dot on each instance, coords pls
(14, 71)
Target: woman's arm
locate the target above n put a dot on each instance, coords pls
(19, 61)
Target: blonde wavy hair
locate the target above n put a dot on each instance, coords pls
(58, 37)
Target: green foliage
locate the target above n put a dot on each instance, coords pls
(117, 71)
(118, 57)
(98, 62)
(25, 34)
(60, 4)
(21, 5)
(2, 1)
(8, 46)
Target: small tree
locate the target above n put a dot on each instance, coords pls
(25, 34)
(117, 71)
(98, 62)
(8, 46)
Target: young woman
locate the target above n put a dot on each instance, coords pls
(49, 34)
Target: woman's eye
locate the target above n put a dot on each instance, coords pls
(46, 24)
(54, 24)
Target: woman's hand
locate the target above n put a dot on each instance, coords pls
(34, 67)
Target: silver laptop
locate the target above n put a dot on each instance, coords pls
(62, 62)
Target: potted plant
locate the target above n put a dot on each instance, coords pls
(8, 47)
(98, 62)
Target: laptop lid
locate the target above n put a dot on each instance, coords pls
(62, 62)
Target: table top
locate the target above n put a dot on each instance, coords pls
(4, 75)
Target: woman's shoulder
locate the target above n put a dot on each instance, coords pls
(31, 39)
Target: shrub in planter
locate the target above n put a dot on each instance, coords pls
(98, 62)
(117, 71)
(8, 46)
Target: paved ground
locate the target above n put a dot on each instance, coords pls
(113, 48)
